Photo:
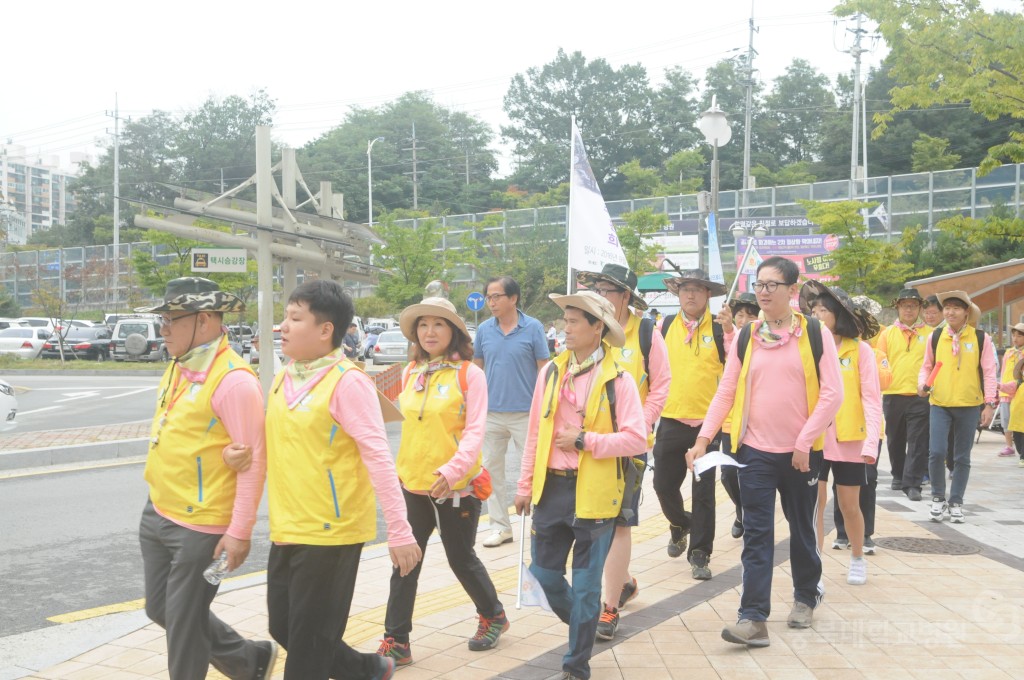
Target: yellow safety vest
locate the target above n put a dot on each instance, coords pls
(739, 413)
(434, 420)
(600, 483)
(319, 488)
(905, 358)
(850, 418)
(188, 479)
(1010, 358)
(958, 383)
(631, 358)
(696, 370)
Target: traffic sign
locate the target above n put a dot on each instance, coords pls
(475, 301)
(218, 260)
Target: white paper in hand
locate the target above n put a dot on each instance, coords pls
(712, 459)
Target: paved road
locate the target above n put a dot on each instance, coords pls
(50, 402)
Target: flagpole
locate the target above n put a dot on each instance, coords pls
(568, 220)
(743, 262)
(522, 544)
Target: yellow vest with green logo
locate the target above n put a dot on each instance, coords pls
(631, 358)
(318, 486)
(739, 413)
(434, 420)
(958, 383)
(905, 358)
(188, 479)
(600, 484)
(850, 418)
(1010, 359)
(696, 370)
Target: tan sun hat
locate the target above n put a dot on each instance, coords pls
(1019, 327)
(973, 311)
(595, 305)
(431, 306)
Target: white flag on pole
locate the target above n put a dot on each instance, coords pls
(715, 272)
(749, 266)
(881, 214)
(593, 242)
(532, 592)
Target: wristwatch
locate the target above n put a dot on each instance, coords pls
(580, 444)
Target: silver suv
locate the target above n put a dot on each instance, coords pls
(137, 338)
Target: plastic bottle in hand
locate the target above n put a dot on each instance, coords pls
(217, 569)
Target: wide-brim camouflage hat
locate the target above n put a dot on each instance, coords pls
(744, 300)
(618, 276)
(196, 294)
(695, 276)
(813, 289)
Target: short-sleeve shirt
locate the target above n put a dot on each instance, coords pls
(510, 362)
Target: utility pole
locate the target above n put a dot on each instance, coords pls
(749, 113)
(415, 172)
(117, 201)
(856, 51)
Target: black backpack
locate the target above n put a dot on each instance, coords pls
(813, 337)
(716, 330)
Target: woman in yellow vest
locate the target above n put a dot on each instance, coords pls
(1012, 355)
(444, 401)
(1015, 421)
(851, 442)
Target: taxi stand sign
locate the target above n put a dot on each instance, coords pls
(231, 260)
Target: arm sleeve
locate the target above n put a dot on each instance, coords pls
(355, 408)
(830, 393)
(720, 406)
(1010, 388)
(238, 402)
(929, 363)
(472, 440)
(871, 399)
(525, 485)
(660, 379)
(631, 439)
(989, 369)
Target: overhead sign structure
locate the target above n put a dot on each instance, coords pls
(224, 260)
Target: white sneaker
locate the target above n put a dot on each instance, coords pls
(938, 509)
(956, 513)
(498, 538)
(858, 574)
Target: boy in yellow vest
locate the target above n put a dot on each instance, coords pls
(209, 405)
(327, 453)
(966, 381)
(585, 416)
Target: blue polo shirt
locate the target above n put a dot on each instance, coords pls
(510, 362)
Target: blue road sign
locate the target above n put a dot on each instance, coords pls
(475, 301)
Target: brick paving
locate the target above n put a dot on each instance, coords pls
(18, 441)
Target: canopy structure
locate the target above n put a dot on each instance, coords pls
(649, 283)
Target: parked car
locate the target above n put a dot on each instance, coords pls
(244, 334)
(138, 339)
(8, 406)
(80, 343)
(38, 322)
(24, 342)
(8, 323)
(372, 333)
(391, 348)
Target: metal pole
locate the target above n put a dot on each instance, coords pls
(265, 262)
(369, 181)
(856, 51)
(117, 203)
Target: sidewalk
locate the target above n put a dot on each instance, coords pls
(921, 615)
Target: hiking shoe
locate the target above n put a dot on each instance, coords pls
(869, 546)
(913, 494)
(387, 668)
(938, 509)
(747, 632)
(266, 655)
(956, 513)
(488, 632)
(699, 565)
(841, 544)
(629, 591)
(608, 623)
(737, 529)
(1020, 463)
(677, 541)
(858, 574)
(497, 538)
(397, 651)
(800, 616)
(896, 485)
(1007, 452)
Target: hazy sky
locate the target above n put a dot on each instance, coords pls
(65, 60)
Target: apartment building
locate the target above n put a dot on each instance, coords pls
(37, 188)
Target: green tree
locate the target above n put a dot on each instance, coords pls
(795, 107)
(636, 236)
(9, 305)
(931, 154)
(674, 109)
(409, 257)
(153, 275)
(535, 256)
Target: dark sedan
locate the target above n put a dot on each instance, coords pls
(80, 343)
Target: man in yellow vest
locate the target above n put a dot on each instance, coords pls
(966, 381)
(586, 420)
(209, 407)
(327, 453)
(906, 413)
(696, 350)
(645, 357)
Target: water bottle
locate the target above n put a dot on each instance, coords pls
(217, 569)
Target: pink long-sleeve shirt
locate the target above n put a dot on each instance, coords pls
(871, 400)
(989, 367)
(630, 440)
(659, 380)
(777, 395)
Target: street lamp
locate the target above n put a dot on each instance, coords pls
(715, 127)
(369, 177)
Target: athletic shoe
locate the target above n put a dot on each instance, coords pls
(387, 668)
(925, 480)
(629, 591)
(397, 651)
(747, 632)
(1007, 452)
(699, 565)
(938, 509)
(487, 632)
(497, 538)
(608, 623)
(840, 544)
(800, 616)
(914, 494)
(1021, 463)
(869, 546)
(677, 541)
(266, 655)
(737, 529)
(858, 574)
(956, 513)
(896, 484)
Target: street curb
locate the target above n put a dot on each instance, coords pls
(70, 372)
(76, 453)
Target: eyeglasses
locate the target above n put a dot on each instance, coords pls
(770, 286)
(167, 320)
(495, 296)
(605, 292)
